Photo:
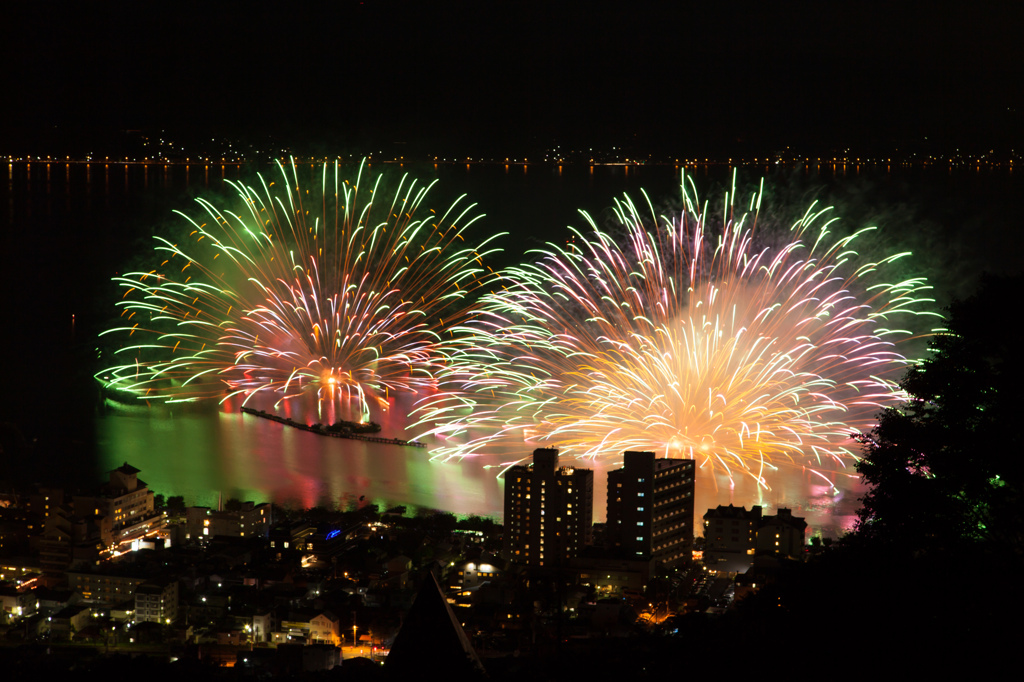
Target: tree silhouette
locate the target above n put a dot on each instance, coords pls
(945, 467)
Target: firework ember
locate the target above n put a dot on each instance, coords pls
(689, 336)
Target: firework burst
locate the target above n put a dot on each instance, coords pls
(340, 290)
(688, 336)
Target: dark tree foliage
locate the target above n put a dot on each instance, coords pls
(945, 468)
(944, 507)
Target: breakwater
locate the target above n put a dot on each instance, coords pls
(321, 430)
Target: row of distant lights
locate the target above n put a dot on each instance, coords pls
(955, 158)
(107, 159)
(779, 158)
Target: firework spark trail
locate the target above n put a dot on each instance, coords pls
(301, 290)
(687, 340)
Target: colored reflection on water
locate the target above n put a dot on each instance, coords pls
(205, 452)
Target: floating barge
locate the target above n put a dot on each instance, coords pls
(321, 430)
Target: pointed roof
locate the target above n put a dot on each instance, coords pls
(432, 637)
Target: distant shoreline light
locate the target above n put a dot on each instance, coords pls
(785, 162)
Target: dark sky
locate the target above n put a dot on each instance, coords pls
(690, 77)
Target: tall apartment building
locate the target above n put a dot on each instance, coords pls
(548, 510)
(650, 508)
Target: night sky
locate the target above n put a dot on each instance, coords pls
(509, 77)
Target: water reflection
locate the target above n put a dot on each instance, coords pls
(203, 452)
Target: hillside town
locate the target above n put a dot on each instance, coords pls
(118, 571)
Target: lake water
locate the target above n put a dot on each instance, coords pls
(69, 228)
(203, 452)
